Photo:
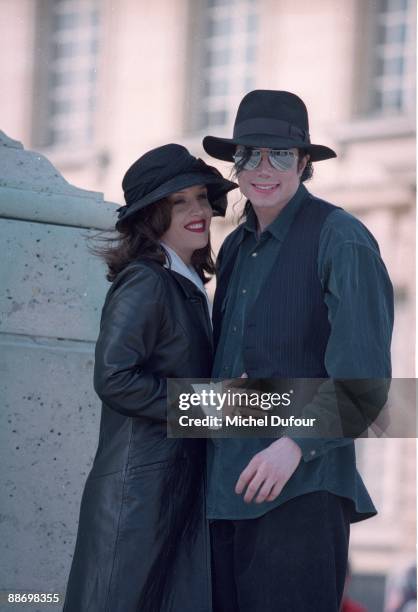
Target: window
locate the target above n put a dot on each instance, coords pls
(68, 94)
(393, 80)
(228, 60)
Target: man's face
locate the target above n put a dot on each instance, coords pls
(269, 188)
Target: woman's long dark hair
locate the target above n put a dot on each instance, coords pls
(139, 237)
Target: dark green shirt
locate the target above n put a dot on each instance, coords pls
(358, 295)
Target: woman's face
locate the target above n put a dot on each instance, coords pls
(191, 215)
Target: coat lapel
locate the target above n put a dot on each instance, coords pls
(196, 297)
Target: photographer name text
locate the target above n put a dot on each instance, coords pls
(266, 420)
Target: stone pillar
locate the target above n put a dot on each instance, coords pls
(52, 291)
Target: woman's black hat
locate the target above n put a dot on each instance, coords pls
(271, 119)
(168, 169)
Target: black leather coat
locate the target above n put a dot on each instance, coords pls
(154, 325)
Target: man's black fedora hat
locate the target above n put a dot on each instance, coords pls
(166, 170)
(271, 119)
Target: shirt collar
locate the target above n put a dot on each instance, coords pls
(279, 227)
(174, 262)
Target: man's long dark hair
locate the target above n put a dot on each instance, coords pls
(139, 237)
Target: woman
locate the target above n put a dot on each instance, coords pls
(142, 541)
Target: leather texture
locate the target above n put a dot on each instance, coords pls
(155, 324)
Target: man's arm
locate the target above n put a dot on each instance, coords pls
(268, 471)
(359, 297)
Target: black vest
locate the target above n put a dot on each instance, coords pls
(287, 329)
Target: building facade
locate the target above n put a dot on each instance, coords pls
(92, 84)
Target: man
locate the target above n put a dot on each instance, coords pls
(301, 292)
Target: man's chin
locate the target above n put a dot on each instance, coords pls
(266, 203)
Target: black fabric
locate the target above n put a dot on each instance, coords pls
(143, 488)
(273, 127)
(287, 329)
(168, 169)
(268, 118)
(292, 559)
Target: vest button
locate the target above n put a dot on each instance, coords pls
(254, 254)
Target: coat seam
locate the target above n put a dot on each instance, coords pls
(122, 501)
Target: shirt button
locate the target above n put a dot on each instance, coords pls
(313, 453)
(254, 254)
(234, 328)
(244, 291)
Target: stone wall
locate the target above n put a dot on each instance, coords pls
(51, 298)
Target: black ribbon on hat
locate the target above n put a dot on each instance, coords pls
(273, 127)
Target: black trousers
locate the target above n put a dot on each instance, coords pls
(292, 559)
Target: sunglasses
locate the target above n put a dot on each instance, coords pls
(247, 158)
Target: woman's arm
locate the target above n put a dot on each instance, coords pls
(132, 319)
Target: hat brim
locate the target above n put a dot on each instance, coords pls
(224, 148)
(217, 188)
